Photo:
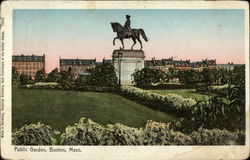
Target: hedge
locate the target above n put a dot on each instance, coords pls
(119, 134)
(156, 133)
(169, 103)
(34, 134)
(87, 132)
(219, 89)
(168, 86)
(81, 88)
(96, 89)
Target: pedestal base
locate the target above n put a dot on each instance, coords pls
(126, 62)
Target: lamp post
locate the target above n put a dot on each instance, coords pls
(120, 66)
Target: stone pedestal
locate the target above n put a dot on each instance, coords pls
(126, 62)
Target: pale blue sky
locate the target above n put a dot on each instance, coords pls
(184, 34)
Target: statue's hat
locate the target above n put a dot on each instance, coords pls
(127, 16)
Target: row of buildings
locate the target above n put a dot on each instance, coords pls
(165, 64)
(79, 66)
(30, 64)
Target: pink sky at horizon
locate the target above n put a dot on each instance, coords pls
(186, 50)
(52, 56)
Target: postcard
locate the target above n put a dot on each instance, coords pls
(124, 80)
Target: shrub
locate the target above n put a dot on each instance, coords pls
(86, 132)
(34, 134)
(217, 137)
(120, 134)
(156, 133)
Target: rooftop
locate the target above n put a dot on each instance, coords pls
(28, 58)
(77, 61)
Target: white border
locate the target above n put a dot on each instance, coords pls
(119, 152)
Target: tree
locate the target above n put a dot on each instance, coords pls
(15, 76)
(54, 76)
(189, 77)
(222, 76)
(208, 76)
(238, 75)
(66, 79)
(238, 93)
(147, 76)
(172, 72)
(40, 76)
(235, 97)
(25, 79)
(103, 75)
(80, 81)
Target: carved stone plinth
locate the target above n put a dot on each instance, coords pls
(126, 62)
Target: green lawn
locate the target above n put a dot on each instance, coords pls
(185, 93)
(62, 108)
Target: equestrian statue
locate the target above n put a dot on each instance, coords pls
(125, 32)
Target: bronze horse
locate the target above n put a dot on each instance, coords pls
(135, 35)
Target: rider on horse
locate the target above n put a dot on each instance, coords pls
(125, 32)
(127, 28)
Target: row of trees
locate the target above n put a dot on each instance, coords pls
(147, 76)
(103, 75)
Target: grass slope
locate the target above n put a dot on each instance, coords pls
(62, 108)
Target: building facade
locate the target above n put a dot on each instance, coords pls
(28, 64)
(165, 64)
(77, 66)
